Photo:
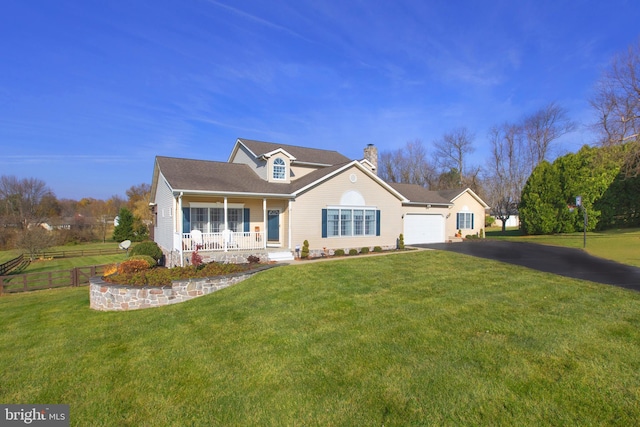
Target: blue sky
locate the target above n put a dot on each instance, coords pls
(91, 91)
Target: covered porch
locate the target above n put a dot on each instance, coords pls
(231, 224)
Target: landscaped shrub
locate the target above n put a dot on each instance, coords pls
(401, 241)
(164, 276)
(110, 269)
(132, 266)
(364, 250)
(339, 252)
(252, 259)
(196, 258)
(147, 248)
(377, 249)
(305, 249)
(353, 252)
(152, 262)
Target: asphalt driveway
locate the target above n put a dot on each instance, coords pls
(567, 262)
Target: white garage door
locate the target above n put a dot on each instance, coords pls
(423, 228)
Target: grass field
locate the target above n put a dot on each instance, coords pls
(421, 338)
(41, 265)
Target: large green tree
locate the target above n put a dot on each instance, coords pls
(551, 190)
(540, 199)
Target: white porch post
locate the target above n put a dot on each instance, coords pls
(180, 226)
(264, 220)
(226, 223)
(290, 220)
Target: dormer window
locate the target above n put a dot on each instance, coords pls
(279, 169)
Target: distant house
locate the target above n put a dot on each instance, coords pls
(268, 198)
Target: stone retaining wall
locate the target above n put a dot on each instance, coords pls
(106, 296)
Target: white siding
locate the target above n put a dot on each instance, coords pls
(166, 215)
(307, 212)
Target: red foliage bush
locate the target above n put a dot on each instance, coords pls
(133, 266)
(164, 276)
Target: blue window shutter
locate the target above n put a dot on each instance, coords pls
(457, 221)
(245, 218)
(324, 223)
(186, 220)
(378, 222)
(472, 221)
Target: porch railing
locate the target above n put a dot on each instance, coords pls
(224, 241)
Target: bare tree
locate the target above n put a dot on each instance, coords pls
(407, 165)
(451, 152)
(508, 170)
(617, 104)
(543, 128)
(26, 202)
(35, 240)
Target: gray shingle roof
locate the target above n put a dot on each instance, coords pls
(204, 175)
(302, 154)
(211, 176)
(418, 194)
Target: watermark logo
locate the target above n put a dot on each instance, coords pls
(34, 415)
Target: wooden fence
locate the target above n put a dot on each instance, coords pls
(77, 253)
(49, 279)
(11, 264)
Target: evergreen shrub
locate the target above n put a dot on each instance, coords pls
(147, 248)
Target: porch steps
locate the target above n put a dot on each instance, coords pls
(281, 256)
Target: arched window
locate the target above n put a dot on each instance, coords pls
(279, 169)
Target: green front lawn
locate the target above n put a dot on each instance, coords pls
(421, 338)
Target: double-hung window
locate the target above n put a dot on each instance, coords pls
(347, 222)
(464, 221)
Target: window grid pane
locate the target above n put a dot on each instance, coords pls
(333, 222)
(345, 222)
(464, 220)
(370, 223)
(358, 222)
(216, 216)
(199, 220)
(279, 169)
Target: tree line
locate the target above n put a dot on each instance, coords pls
(32, 218)
(522, 147)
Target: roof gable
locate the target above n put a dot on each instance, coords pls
(304, 155)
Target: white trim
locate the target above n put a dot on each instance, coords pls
(276, 151)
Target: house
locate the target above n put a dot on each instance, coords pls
(268, 198)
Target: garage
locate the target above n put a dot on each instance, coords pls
(423, 228)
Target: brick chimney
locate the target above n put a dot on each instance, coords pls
(371, 155)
